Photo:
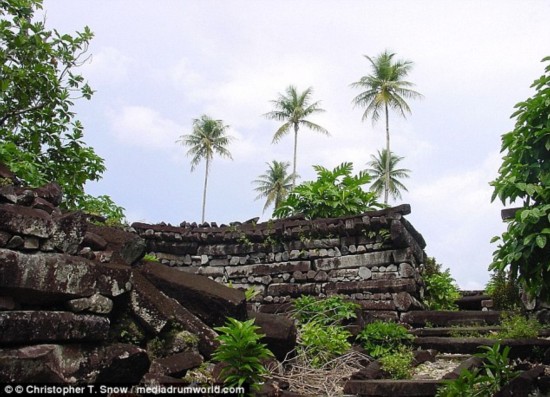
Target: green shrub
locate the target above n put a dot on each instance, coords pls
(399, 363)
(321, 343)
(441, 291)
(516, 326)
(240, 349)
(485, 381)
(331, 310)
(503, 290)
(382, 338)
(335, 193)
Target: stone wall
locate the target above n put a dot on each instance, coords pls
(374, 257)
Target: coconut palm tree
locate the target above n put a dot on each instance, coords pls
(377, 170)
(275, 184)
(293, 108)
(209, 137)
(385, 88)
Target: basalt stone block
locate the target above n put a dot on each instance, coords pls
(49, 363)
(127, 248)
(154, 310)
(373, 286)
(50, 277)
(95, 242)
(96, 304)
(449, 318)
(69, 230)
(369, 259)
(272, 268)
(8, 194)
(523, 384)
(291, 289)
(176, 365)
(51, 192)
(387, 387)
(25, 221)
(280, 333)
(51, 326)
(210, 301)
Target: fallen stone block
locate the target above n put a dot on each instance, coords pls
(42, 278)
(280, 332)
(154, 310)
(394, 388)
(126, 247)
(176, 365)
(51, 326)
(69, 230)
(96, 304)
(68, 364)
(449, 318)
(210, 301)
(25, 221)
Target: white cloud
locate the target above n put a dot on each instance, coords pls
(107, 65)
(144, 127)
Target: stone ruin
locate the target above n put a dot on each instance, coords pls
(374, 258)
(78, 304)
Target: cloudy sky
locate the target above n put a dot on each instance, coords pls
(158, 65)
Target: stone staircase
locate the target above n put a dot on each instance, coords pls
(436, 330)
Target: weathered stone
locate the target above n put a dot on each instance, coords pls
(523, 384)
(448, 318)
(403, 301)
(15, 242)
(25, 221)
(49, 277)
(8, 194)
(349, 287)
(4, 238)
(127, 247)
(49, 326)
(50, 192)
(7, 303)
(365, 273)
(280, 333)
(272, 268)
(154, 310)
(406, 270)
(377, 305)
(205, 298)
(468, 364)
(369, 259)
(176, 365)
(69, 230)
(44, 205)
(95, 242)
(31, 243)
(293, 290)
(96, 304)
(372, 371)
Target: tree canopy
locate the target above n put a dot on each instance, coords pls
(40, 138)
(525, 175)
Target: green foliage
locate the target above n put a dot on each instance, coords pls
(322, 343)
(327, 311)
(242, 352)
(150, 258)
(525, 175)
(40, 139)
(321, 334)
(103, 207)
(517, 326)
(440, 291)
(335, 193)
(503, 290)
(399, 363)
(381, 338)
(485, 381)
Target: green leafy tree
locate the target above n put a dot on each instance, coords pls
(275, 184)
(335, 193)
(378, 171)
(385, 88)
(209, 137)
(293, 108)
(524, 175)
(40, 138)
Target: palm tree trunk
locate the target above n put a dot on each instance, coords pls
(387, 176)
(295, 150)
(204, 190)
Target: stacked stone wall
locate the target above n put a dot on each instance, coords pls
(374, 258)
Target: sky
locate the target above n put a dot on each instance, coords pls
(156, 66)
